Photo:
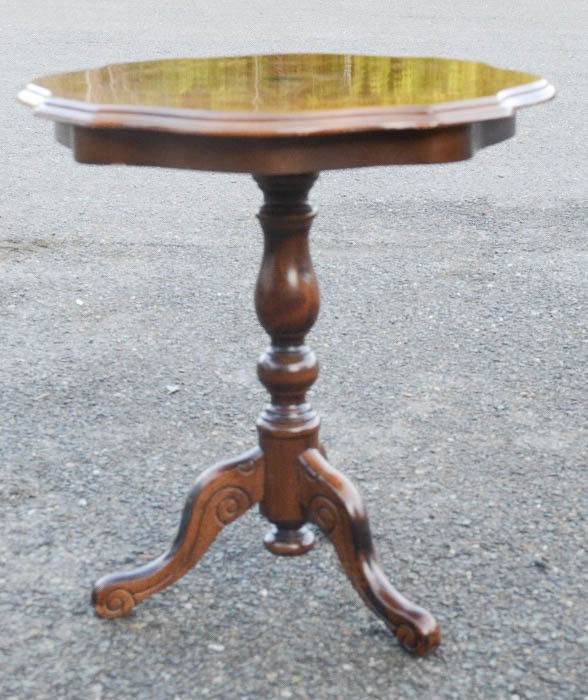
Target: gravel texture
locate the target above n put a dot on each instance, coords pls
(453, 347)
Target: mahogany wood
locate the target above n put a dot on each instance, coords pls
(282, 119)
(334, 504)
(285, 95)
(287, 303)
(283, 155)
(220, 495)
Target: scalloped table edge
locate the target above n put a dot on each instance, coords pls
(340, 121)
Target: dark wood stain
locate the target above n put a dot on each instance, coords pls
(287, 474)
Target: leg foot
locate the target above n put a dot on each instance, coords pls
(220, 495)
(289, 543)
(333, 503)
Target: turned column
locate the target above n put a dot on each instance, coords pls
(287, 304)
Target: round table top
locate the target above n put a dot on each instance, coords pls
(284, 94)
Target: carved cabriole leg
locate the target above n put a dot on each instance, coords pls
(220, 495)
(287, 303)
(334, 504)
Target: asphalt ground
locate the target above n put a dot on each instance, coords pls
(453, 350)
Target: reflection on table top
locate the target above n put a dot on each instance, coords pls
(280, 84)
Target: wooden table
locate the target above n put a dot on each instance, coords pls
(282, 118)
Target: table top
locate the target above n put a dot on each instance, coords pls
(283, 113)
(285, 94)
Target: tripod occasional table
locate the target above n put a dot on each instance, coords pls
(283, 119)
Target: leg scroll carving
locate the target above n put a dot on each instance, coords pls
(221, 494)
(335, 506)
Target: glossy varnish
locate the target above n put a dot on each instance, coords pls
(285, 83)
(283, 118)
(287, 474)
(292, 94)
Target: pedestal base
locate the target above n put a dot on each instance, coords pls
(288, 474)
(226, 491)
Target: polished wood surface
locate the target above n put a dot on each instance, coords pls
(282, 118)
(221, 495)
(287, 304)
(274, 83)
(333, 503)
(284, 114)
(287, 474)
(285, 95)
(283, 155)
